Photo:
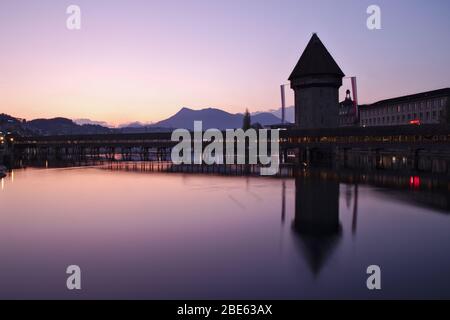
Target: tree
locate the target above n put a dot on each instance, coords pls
(247, 122)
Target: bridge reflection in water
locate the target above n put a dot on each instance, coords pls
(317, 225)
(313, 216)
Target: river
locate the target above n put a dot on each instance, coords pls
(150, 235)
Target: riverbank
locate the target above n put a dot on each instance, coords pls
(2, 171)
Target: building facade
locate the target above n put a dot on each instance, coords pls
(432, 107)
(316, 80)
(348, 112)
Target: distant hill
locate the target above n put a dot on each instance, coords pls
(289, 115)
(89, 121)
(56, 126)
(14, 125)
(213, 118)
(63, 126)
(141, 129)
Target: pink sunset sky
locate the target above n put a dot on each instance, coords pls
(141, 60)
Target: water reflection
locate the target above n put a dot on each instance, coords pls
(355, 209)
(132, 237)
(7, 178)
(283, 201)
(317, 225)
(317, 219)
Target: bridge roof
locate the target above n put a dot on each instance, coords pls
(101, 137)
(316, 60)
(425, 130)
(369, 131)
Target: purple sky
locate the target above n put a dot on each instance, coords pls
(143, 59)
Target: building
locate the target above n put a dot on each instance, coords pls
(316, 80)
(348, 112)
(2, 140)
(432, 107)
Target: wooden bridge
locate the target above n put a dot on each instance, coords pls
(425, 147)
(410, 148)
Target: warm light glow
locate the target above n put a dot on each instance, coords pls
(225, 54)
(414, 182)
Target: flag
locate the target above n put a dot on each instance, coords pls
(283, 104)
(355, 94)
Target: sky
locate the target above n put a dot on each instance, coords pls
(142, 60)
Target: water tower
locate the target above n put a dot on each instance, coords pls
(316, 80)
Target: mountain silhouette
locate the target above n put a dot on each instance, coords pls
(289, 114)
(183, 119)
(214, 118)
(63, 126)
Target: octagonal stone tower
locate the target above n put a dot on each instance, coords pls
(316, 80)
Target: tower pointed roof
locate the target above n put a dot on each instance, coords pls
(316, 60)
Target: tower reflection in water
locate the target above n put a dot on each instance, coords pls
(316, 223)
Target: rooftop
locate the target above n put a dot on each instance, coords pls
(316, 60)
(411, 97)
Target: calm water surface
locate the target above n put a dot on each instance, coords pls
(181, 236)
